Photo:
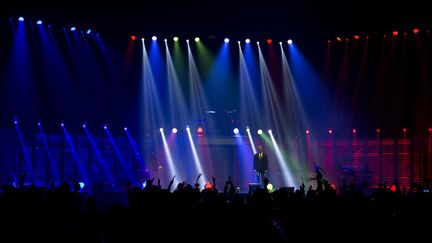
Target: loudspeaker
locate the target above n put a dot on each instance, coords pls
(253, 187)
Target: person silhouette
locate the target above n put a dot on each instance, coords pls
(260, 162)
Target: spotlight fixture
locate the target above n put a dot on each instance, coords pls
(200, 130)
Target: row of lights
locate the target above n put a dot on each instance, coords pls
(197, 39)
(200, 130)
(154, 38)
(394, 33)
(39, 22)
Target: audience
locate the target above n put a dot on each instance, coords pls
(188, 213)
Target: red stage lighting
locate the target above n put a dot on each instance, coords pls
(200, 130)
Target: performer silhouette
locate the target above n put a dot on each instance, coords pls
(260, 165)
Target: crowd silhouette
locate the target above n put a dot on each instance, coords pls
(190, 213)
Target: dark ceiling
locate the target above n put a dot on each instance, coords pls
(267, 18)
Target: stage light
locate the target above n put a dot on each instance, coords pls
(197, 39)
(416, 31)
(270, 187)
(125, 128)
(226, 40)
(430, 129)
(236, 130)
(354, 130)
(338, 39)
(257, 42)
(404, 129)
(238, 42)
(378, 130)
(187, 128)
(269, 41)
(89, 31)
(356, 37)
(247, 129)
(165, 40)
(200, 130)
(176, 38)
(289, 42)
(307, 131)
(260, 131)
(81, 184)
(21, 19)
(73, 28)
(333, 186)
(142, 39)
(161, 129)
(39, 123)
(174, 130)
(105, 127)
(247, 40)
(39, 22)
(330, 131)
(208, 186)
(15, 122)
(270, 131)
(280, 42)
(62, 124)
(154, 38)
(84, 125)
(395, 33)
